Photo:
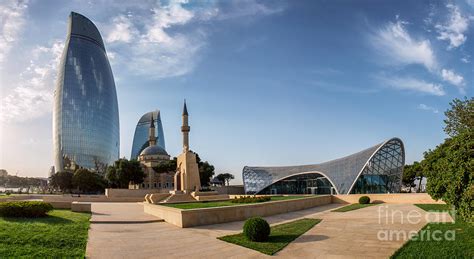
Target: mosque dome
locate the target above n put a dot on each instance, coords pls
(154, 150)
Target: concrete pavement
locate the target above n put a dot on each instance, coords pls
(351, 234)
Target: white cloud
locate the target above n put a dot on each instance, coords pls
(427, 108)
(154, 46)
(122, 30)
(412, 84)
(394, 41)
(465, 59)
(11, 22)
(453, 30)
(32, 97)
(453, 78)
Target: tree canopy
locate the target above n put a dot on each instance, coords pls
(450, 166)
(86, 181)
(411, 173)
(125, 172)
(62, 180)
(225, 178)
(459, 117)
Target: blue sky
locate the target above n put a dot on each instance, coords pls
(267, 82)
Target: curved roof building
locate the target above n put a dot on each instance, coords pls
(140, 138)
(377, 169)
(85, 112)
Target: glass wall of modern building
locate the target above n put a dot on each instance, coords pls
(85, 113)
(383, 172)
(140, 138)
(311, 183)
(377, 169)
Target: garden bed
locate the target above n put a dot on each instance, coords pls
(280, 236)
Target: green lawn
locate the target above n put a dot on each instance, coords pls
(434, 207)
(63, 234)
(461, 247)
(354, 206)
(210, 204)
(280, 236)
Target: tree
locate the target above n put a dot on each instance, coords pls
(225, 178)
(166, 166)
(450, 171)
(460, 117)
(409, 176)
(62, 180)
(411, 173)
(125, 172)
(87, 181)
(206, 171)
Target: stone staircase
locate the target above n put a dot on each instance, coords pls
(176, 198)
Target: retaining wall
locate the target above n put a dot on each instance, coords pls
(118, 193)
(397, 198)
(208, 216)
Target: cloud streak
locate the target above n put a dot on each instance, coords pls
(412, 84)
(11, 23)
(425, 107)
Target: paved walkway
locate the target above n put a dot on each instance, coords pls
(105, 212)
(354, 234)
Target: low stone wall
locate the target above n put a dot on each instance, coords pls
(91, 198)
(396, 198)
(120, 193)
(81, 206)
(231, 189)
(208, 216)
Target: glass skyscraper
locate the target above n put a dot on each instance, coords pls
(85, 112)
(140, 139)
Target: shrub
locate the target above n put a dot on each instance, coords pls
(364, 200)
(7, 193)
(256, 229)
(251, 199)
(25, 209)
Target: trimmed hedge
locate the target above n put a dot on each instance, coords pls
(364, 200)
(256, 229)
(250, 199)
(25, 209)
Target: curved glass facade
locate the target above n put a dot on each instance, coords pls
(377, 169)
(311, 183)
(383, 172)
(85, 113)
(140, 138)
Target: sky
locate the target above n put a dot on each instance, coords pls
(267, 83)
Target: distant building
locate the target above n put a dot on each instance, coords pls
(378, 169)
(140, 138)
(151, 156)
(85, 112)
(3, 173)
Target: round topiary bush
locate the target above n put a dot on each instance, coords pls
(25, 209)
(256, 229)
(364, 200)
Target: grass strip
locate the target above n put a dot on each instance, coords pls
(211, 204)
(280, 236)
(354, 206)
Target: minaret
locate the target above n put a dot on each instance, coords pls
(151, 132)
(185, 128)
